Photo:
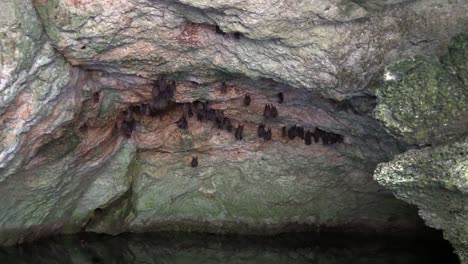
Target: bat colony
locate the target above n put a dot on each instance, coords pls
(162, 100)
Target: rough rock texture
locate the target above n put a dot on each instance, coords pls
(458, 56)
(425, 101)
(69, 68)
(436, 180)
(336, 47)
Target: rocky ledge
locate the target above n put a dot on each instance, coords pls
(436, 180)
(434, 177)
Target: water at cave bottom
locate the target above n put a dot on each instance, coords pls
(183, 248)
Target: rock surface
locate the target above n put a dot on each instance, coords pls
(71, 161)
(335, 47)
(438, 111)
(436, 180)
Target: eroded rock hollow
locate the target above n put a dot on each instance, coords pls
(219, 116)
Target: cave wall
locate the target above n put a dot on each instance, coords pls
(70, 68)
(434, 177)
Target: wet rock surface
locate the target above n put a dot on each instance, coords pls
(434, 179)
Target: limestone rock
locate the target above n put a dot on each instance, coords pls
(334, 47)
(50, 177)
(458, 56)
(301, 188)
(73, 158)
(436, 180)
(422, 102)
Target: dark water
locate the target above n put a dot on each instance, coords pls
(196, 248)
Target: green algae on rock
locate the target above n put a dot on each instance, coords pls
(458, 53)
(436, 180)
(422, 102)
(218, 196)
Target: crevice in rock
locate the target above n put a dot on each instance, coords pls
(112, 215)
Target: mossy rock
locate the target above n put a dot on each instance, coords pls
(423, 101)
(436, 180)
(458, 52)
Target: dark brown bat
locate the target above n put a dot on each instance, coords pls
(284, 131)
(205, 106)
(135, 109)
(159, 104)
(261, 130)
(182, 123)
(219, 114)
(96, 96)
(84, 128)
(300, 132)
(211, 115)
(316, 135)
(267, 134)
(292, 132)
(219, 123)
(238, 132)
(128, 115)
(194, 162)
(267, 111)
(326, 139)
(274, 111)
(223, 87)
(127, 128)
(156, 89)
(145, 109)
(335, 138)
(201, 116)
(247, 100)
(227, 124)
(188, 109)
(308, 138)
(280, 98)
